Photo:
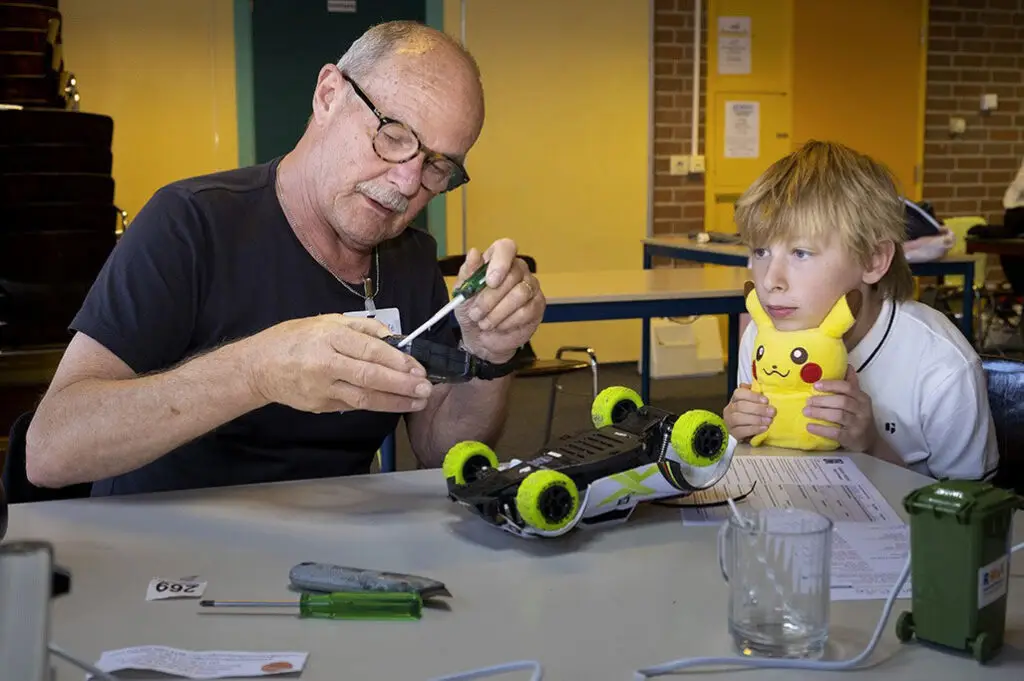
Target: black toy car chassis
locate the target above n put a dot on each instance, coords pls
(635, 453)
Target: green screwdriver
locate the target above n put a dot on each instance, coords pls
(342, 605)
(475, 283)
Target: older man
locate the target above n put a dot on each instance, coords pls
(234, 335)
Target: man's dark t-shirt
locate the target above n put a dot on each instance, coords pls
(210, 260)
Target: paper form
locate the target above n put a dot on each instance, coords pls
(867, 559)
(870, 541)
(830, 485)
(214, 664)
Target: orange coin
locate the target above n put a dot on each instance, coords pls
(276, 667)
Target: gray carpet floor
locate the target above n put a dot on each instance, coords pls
(524, 432)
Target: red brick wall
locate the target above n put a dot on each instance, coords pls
(678, 199)
(975, 47)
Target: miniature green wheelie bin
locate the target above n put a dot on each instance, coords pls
(960, 538)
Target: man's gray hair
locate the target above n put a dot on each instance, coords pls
(383, 40)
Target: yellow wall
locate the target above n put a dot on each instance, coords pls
(818, 74)
(164, 70)
(847, 89)
(562, 163)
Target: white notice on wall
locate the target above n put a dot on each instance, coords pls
(734, 45)
(742, 129)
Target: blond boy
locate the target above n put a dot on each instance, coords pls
(821, 222)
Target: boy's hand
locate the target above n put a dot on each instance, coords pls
(849, 409)
(748, 413)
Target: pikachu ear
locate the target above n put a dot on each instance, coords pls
(842, 315)
(754, 306)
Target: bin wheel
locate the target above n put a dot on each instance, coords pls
(981, 648)
(464, 461)
(614, 404)
(905, 626)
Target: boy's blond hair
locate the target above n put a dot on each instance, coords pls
(825, 189)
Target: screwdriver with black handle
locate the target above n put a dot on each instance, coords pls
(475, 283)
(342, 605)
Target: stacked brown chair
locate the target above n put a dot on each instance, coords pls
(58, 221)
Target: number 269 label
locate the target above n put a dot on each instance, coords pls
(160, 589)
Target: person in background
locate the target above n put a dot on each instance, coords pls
(1013, 204)
(927, 238)
(821, 222)
(235, 334)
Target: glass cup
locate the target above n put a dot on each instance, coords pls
(777, 563)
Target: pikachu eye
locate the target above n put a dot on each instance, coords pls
(760, 351)
(799, 355)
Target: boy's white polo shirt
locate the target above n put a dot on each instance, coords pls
(928, 390)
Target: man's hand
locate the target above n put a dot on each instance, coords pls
(849, 409)
(748, 413)
(505, 314)
(336, 363)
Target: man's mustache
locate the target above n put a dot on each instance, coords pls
(390, 198)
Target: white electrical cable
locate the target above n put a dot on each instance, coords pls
(756, 662)
(81, 664)
(521, 665)
(771, 663)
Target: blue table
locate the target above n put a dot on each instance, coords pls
(638, 294)
(735, 255)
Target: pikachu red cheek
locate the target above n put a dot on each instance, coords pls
(811, 373)
(753, 369)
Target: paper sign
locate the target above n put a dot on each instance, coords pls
(742, 129)
(734, 45)
(213, 664)
(160, 589)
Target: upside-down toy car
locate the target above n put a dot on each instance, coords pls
(634, 453)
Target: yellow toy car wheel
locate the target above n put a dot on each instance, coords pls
(547, 500)
(613, 404)
(464, 461)
(700, 437)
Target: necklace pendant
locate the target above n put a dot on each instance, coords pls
(368, 295)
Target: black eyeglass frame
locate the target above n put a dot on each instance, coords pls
(459, 178)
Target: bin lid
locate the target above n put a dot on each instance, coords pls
(967, 500)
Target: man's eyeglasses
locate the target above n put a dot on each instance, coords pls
(395, 142)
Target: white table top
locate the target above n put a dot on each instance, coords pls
(741, 250)
(653, 580)
(664, 283)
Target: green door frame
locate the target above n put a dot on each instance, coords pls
(436, 209)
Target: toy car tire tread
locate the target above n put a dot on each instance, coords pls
(547, 500)
(465, 459)
(612, 403)
(700, 437)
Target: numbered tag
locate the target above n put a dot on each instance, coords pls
(160, 589)
(388, 316)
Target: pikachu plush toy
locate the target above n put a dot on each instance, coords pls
(787, 364)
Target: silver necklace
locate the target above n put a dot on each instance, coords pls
(369, 291)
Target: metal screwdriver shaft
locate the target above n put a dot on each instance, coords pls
(469, 288)
(440, 314)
